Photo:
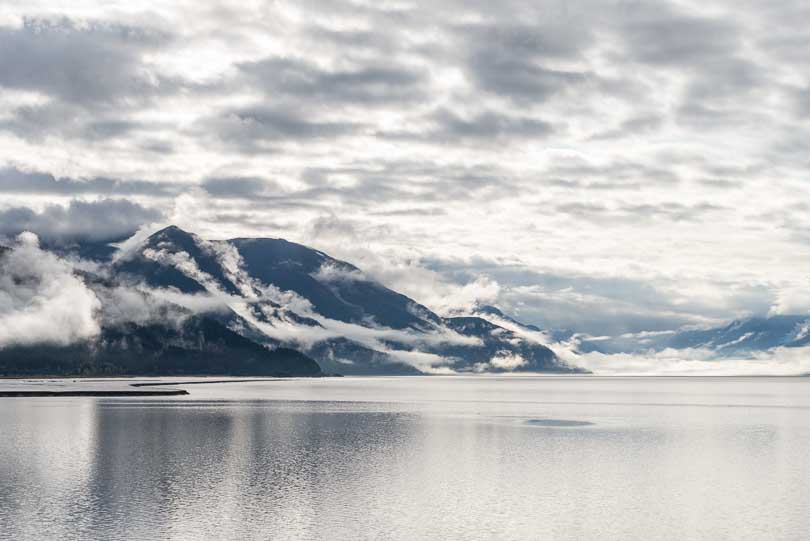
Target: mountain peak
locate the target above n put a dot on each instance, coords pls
(181, 239)
(171, 231)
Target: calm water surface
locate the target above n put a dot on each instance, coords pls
(572, 458)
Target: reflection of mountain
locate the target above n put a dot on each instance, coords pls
(739, 337)
(281, 293)
(247, 469)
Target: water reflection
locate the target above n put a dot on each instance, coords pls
(232, 471)
(483, 460)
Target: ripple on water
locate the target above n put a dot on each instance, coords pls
(557, 422)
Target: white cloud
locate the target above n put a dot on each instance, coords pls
(41, 300)
(792, 300)
(694, 362)
(505, 360)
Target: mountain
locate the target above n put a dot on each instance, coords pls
(284, 294)
(139, 333)
(739, 337)
(197, 346)
(487, 310)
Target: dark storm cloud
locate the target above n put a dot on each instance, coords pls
(14, 181)
(107, 219)
(364, 84)
(86, 64)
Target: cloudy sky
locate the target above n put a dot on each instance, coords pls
(609, 166)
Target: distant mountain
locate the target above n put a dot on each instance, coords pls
(285, 294)
(737, 338)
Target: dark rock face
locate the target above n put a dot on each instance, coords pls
(197, 346)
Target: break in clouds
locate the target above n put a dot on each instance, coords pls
(605, 167)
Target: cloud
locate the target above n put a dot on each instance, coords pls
(41, 300)
(88, 64)
(505, 360)
(485, 126)
(16, 181)
(693, 362)
(258, 128)
(105, 219)
(661, 144)
(803, 101)
(235, 187)
(365, 85)
(791, 300)
(671, 38)
(514, 61)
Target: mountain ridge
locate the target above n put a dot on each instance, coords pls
(253, 306)
(739, 337)
(303, 298)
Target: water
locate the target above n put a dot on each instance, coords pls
(562, 458)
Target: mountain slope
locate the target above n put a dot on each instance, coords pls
(197, 346)
(126, 330)
(300, 297)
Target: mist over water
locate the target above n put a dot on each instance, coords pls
(415, 458)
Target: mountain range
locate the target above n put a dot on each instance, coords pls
(175, 303)
(738, 338)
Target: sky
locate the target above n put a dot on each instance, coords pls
(609, 167)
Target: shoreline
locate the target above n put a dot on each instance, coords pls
(91, 392)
